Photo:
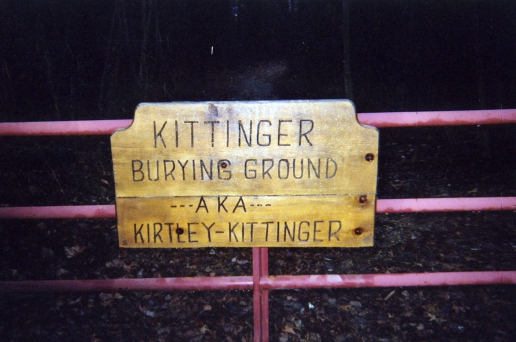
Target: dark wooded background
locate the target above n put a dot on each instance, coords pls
(63, 60)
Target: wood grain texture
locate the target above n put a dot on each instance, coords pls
(245, 174)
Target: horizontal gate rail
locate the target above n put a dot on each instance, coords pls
(389, 119)
(406, 205)
(85, 127)
(444, 118)
(59, 212)
(402, 205)
(264, 282)
(136, 284)
(389, 280)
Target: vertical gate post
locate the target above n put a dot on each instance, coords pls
(260, 296)
(264, 272)
(257, 303)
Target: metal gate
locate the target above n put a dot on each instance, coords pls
(260, 282)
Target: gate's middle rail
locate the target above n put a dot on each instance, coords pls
(401, 205)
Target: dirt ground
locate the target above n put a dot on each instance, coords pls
(463, 161)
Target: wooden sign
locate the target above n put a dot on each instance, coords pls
(245, 174)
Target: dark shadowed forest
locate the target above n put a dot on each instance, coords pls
(82, 60)
(63, 60)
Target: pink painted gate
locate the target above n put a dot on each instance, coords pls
(260, 282)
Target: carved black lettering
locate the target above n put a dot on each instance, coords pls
(157, 233)
(286, 169)
(282, 134)
(328, 161)
(139, 170)
(227, 173)
(193, 168)
(212, 131)
(334, 234)
(202, 204)
(183, 168)
(208, 229)
(227, 133)
(306, 233)
(171, 172)
(138, 233)
(251, 228)
(294, 169)
(266, 172)
(249, 173)
(221, 204)
(291, 233)
(241, 131)
(231, 231)
(303, 132)
(177, 133)
(192, 135)
(267, 136)
(267, 230)
(159, 135)
(179, 231)
(240, 204)
(317, 231)
(169, 225)
(190, 232)
(148, 233)
(209, 173)
(317, 171)
(149, 171)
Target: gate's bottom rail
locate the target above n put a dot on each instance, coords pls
(129, 284)
(261, 283)
(265, 282)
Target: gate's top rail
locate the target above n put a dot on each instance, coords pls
(439, 118)
(80, 127)
(388, 119)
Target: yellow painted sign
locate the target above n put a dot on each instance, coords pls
(245, 174)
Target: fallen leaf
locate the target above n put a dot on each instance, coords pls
(431, 316)
(72, 251)
(288, 328)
